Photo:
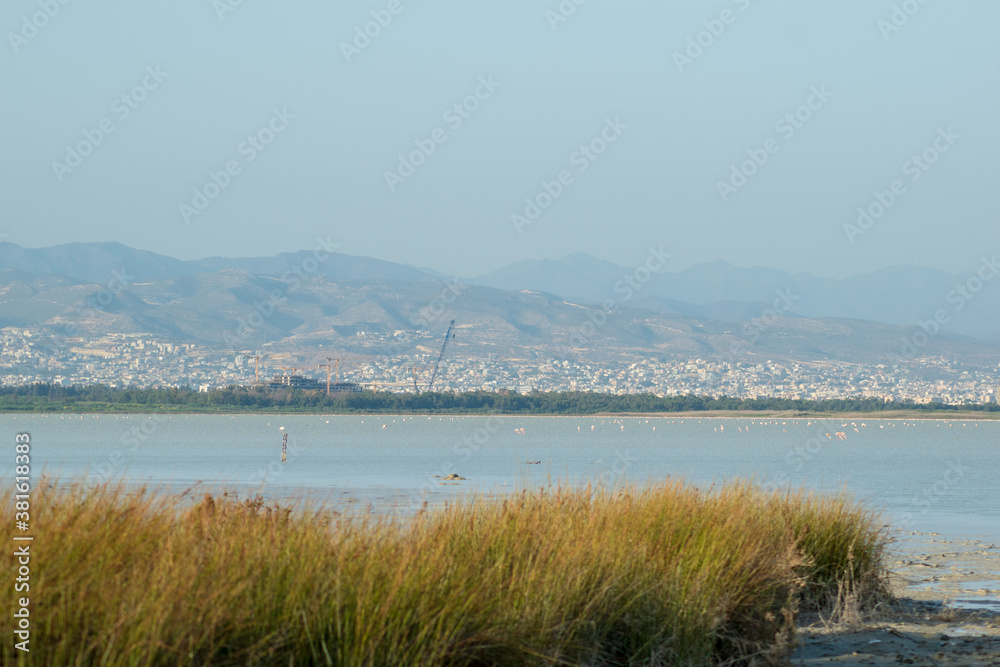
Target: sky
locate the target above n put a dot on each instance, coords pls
(463, 136)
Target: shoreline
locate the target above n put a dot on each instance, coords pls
(887, 415)
(946, 611)
(884, 415)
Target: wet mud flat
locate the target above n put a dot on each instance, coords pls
(947, 611)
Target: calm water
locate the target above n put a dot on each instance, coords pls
(927, 475)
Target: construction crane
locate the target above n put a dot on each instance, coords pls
(335, 369)
(447, 336)
(256, 365)
(346, 363)
(327, 367)
(375, 385)
(414, 370)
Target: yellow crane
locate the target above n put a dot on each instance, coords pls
(327, 367)
(413, 371)
(334, 369)
(256, 365)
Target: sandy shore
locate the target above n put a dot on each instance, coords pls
(947, 612)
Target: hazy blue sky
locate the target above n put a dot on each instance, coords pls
(198, 80)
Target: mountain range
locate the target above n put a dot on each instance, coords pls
(576, 303)
(718, 290)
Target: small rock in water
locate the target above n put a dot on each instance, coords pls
(452, 476)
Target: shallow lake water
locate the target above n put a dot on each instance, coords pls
(927, 475)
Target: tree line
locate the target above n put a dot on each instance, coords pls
(102, 398)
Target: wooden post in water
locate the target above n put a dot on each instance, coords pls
(284, 446)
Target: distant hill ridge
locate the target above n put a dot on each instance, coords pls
(715, 290)
(94, 262)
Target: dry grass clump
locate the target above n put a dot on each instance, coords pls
(666, 575)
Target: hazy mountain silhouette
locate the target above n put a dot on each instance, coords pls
(97, 262)
(194, 297)
(896, 295)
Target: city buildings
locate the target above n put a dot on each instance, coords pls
(143, 360)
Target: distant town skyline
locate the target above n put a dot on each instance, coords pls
(833, 139)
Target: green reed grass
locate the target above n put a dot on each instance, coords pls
(663, 575)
